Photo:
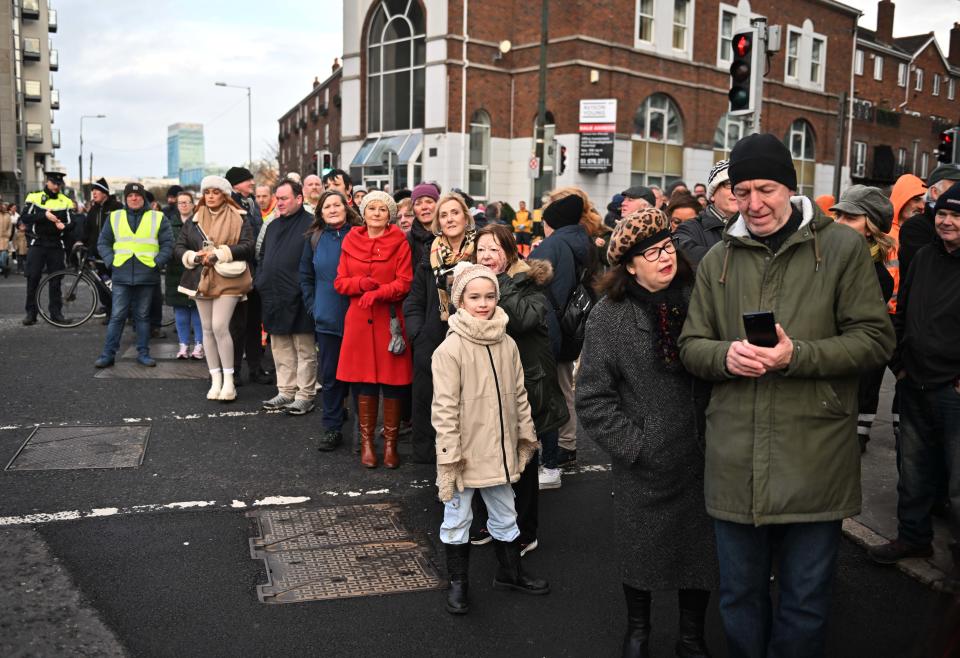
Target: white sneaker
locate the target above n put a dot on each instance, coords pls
(549, 478)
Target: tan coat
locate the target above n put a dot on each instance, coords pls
(6, 228)
(480, 408)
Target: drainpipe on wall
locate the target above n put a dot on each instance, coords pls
(853, 73)
(463, 102)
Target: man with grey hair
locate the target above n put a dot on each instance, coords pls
(312, 189)
(919, 231)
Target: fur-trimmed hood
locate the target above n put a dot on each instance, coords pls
(540, 272)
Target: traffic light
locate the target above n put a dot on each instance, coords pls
(563, 160)
(744, 72)
(947, 150)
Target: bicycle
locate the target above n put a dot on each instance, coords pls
(82, 290)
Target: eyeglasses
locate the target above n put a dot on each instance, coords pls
(653, 253)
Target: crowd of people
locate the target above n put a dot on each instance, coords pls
(486, 334)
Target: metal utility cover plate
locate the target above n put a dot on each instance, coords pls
(157, 351)
(338, 552)
(163, 370)
(87, 446)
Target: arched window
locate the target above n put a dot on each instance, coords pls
(730, 130)
(657, 157)
(396, 77)
(802, 148)
(479, 155)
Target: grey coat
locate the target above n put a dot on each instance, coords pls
(645, 417)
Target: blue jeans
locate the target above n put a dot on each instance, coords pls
(929, 439)
(807, 554)
(458, 513)
(186, 317)
(126, 299)
(334, 391)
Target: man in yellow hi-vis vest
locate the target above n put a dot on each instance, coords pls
(48, 216)
(135, 243)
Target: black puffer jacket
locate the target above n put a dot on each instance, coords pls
(698, 235)
(278, 275)
(98, 216)
(522, 297)
(419, 238)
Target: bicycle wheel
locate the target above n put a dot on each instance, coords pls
(79, 295)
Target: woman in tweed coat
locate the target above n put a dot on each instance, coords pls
(635, 400)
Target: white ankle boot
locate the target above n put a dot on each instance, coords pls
(216, 383)
(227, 392)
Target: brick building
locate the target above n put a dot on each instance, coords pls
(311, 129)
(905, 95)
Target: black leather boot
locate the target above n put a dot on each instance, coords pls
(510, 575)
(458, 569)
(693, 610)
(636, 643)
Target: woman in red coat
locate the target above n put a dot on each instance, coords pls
(375, 272)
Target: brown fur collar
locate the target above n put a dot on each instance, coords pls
(539, 271)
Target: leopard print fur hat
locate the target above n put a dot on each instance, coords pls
(636, 231)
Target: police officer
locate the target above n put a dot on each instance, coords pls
(47, 215)
(135, 243)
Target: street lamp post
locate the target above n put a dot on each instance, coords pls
(249, 120)
(85, 116)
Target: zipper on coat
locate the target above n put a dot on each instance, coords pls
(496, 383)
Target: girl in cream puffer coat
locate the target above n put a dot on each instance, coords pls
(485, 434)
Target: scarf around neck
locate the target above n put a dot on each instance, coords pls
(442, 261)
(482, 332)
(667, 310)
(222, 227)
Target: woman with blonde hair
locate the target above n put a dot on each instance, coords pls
(215, 236)
(428, 307)
(868, 212)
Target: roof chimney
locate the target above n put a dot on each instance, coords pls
(316, 82)
(336, 64)
(885, 21)
(954, 57)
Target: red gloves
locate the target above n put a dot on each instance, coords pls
(369, 283)
(368, 298)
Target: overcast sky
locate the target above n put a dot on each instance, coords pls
(147, 65)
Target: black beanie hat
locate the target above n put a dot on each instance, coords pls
(101, 185)
(762, 156)
(237, 175)
(565, 211)
(134, 188)
(949, 200)
(174, 190)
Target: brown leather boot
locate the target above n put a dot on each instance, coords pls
(367, 408)
(392, 411)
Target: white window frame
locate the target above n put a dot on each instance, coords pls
(482, 122)
(858, 62)
(902, 74)
(792, 32)
(731, 12)
(821, 63)
(859, 159)
(936, 84)
(901, 157)
(951, 89)
(918, 79)
(924, 165)
(685, 26)
(878, 67)
(652, 17)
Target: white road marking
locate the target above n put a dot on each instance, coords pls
(148, 419)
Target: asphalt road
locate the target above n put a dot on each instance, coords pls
(160, 581)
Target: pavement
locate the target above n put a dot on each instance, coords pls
(155, 560)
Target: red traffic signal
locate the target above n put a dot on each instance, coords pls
(744, 74)
(743, 44)
(946, 150)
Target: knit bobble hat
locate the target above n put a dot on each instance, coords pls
(762, 157)
(719, 175)
(216, 183)
(636, 232)
(565, 211)
(102, 185)
(949, 200)
(382, 197)
(424, 189)
(237, 175)
(466, 272)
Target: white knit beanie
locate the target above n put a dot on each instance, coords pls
(216, 183)
(382, 197)
(719, 175)
(464, 273)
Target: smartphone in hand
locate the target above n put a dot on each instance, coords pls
(761, 328)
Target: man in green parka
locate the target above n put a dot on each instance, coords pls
(782, 456)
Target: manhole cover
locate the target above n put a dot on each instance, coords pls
(163, 370)
(338, 552)
(90, 446)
